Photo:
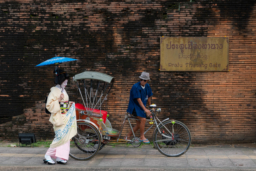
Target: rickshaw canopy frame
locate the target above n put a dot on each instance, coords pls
(93, 75)
(92, 99)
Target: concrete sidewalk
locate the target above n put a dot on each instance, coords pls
(127, 158)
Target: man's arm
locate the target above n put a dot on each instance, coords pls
(148, 113)
(149, 101)
(141, 104)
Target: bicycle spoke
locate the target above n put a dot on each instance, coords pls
(179, 139)
(164, 140)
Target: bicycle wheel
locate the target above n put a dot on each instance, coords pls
(173, 139)
(101, 146)
(87, 141)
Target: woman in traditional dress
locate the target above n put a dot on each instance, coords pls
(64, 125)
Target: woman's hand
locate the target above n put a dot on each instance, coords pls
(61, 97)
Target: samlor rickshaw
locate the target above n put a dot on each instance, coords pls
(94, 130)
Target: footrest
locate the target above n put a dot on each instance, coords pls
(113, 132)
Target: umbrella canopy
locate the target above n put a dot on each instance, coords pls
(56, 60)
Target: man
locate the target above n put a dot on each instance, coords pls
(140, 94)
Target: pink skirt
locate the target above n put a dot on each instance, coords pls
(61, 151)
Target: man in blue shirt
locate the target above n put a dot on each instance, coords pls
(140, 95)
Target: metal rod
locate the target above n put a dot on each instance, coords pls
(148, 129)
(131, 127)
(122, 128)
(163, 126)
(103, 99)
(80, 93)
(98, 100)
(110, 88)
(168, 139)
(96, 92)
(105, 88)
(90, 95)
(106, 94)
(85, 93)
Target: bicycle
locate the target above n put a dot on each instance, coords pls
(169, 135)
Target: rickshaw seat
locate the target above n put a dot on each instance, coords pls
(103, 112)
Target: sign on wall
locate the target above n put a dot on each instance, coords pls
(194, 53)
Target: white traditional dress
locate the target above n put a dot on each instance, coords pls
(64, 125)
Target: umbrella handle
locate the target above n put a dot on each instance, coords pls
(56, 67)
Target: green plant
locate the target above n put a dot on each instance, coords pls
(42, 143)
(112, 144)
(128, 144)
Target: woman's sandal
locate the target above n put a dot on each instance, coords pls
(146, 141)
(49, 162)
(62, 162)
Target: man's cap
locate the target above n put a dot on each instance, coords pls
(144, 76)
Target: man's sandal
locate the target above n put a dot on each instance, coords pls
(146, 141)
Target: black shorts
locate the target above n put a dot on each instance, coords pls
(134, 112)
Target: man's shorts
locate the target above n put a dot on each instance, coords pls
(134, 113)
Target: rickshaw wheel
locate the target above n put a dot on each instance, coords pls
(87, 141)
(101, 146)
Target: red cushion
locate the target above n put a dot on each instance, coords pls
(79, 106)
(103, 112)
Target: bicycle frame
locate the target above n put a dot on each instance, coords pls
(157, 123)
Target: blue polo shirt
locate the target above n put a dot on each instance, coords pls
(138, 92)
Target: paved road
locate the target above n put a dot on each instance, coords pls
(127, 158)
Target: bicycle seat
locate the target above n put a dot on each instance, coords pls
(152, 106)
(131, 116)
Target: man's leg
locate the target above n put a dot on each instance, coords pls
(142, 127)
(137, 126)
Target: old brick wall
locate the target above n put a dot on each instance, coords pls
(121, 38)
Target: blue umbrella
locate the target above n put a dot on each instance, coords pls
(56, 60)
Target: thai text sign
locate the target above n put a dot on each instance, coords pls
(194, 53)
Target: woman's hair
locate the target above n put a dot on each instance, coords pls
(60, 77)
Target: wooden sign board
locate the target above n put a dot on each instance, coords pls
(194, 53)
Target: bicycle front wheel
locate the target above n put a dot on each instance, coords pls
(172, 139)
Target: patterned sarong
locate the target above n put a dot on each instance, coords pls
(64, 133)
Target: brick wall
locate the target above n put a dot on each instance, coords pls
(121, 38)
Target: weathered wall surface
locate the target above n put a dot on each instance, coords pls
(121, 38)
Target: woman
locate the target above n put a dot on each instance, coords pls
(64, 125)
